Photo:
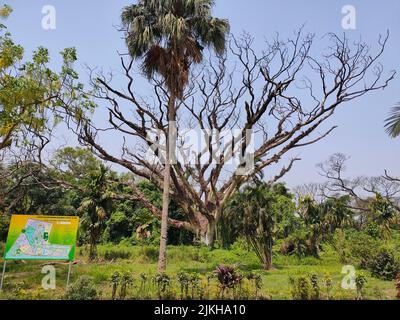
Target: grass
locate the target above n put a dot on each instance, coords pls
(23, 279)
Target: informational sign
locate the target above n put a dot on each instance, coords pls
(41, 238)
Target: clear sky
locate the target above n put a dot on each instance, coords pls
(90, 26)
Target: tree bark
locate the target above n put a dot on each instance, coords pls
(207, 236)
(169, 155)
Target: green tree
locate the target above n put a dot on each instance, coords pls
(29, 90)
(313, 218)
(383, 213)
(170, 36)
(259, 207)
(95, 208)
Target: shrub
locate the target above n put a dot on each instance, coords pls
(315, 287)
(296, 244)
(82, 289)
(115, 279)
(328, 285)
(384, 265)
(361, 280)
(126, 281)
(228, 278)
(163, 283)
(372, 229)
(184, 279)
(356, 247)
(301, 288)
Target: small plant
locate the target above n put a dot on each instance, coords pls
(143, 284)
(82, 289)
(194, 284)
(361, 281)
(328, 285)
(183, 279)
(126, 280)
(227, 278)
(315, 287)
(163, 283)
(257, 280)
(115, 282)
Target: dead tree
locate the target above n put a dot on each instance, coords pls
(275, 102)
(362, 190)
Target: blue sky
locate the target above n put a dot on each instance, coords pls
(90, 26)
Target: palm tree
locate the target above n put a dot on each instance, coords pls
(393, 122)
(314, 219)
(254, 206)
(94, 208)
(169, 36)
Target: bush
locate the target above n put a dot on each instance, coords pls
(356, 247)
(301, 288)
(83, 289)
(296, 244)
(384, 265)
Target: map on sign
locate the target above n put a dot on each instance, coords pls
(41, 238)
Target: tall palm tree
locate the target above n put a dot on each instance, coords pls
(169, 36)
(393, 122)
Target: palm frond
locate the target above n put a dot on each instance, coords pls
(393, 122)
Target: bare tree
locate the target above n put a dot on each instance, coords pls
(361, 189)
(274, 102)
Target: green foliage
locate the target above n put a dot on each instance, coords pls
(30, 92)
(383, 212)
(384, 265)
(297, 244)
(328, 285)
(82, 289)
(361, 281)
(173, 41)
(393, 122)
(258, 210)
(301, 288)
(5, 11)
(356, 247)
(95, 207)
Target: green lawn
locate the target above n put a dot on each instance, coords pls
(23, 279)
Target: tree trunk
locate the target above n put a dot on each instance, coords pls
(207, 236)
(92, 249)
(169, 155)
(267, 256)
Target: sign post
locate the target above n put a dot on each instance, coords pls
(2, 274)
(41, 238)
(69, 273)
